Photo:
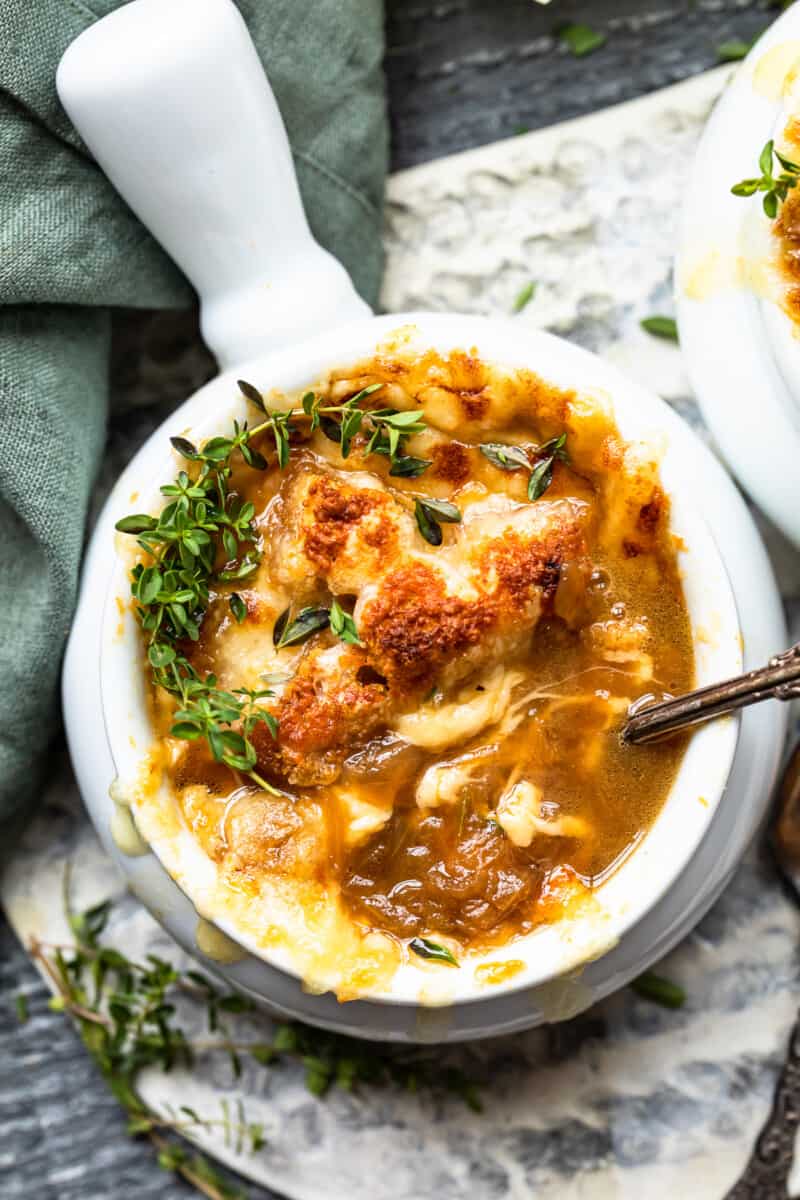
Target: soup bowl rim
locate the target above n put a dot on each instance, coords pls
(646, 874)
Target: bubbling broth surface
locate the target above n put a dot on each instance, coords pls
(454, 769)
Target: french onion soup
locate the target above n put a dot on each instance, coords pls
(787, 222)
(391, 630)
(780, 201)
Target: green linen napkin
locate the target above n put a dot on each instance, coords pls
(71, 250)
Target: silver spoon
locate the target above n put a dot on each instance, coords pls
(650, 719)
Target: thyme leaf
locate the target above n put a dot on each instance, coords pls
(660, 990)
(506, 457)
(662, 327)
(251, 393)
(542, 473)
(237, 607)
(734, 49)
(247, 565)
(332, 429)
(581, 39)
(425, 948)
(291, 631)
(343, 625)
(185, 448)
(540, 478)
(443, 510)
(136, 523)
(406, 466)
(429, 513)
(524, 297)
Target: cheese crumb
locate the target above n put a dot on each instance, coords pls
(521, 814)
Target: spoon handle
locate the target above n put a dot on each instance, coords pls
(778, 680)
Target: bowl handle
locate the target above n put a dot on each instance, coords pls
(173, 102)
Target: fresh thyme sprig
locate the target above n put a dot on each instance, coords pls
(126, 1016)
(512, 458)
(775, 187)
(208, 711)
(203, 517)
(388, 428)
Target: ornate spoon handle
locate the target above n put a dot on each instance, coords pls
(779, 680)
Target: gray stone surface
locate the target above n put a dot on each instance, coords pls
(461, 73)
(465, 72)
(62, 1134)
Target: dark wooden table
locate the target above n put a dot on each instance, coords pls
(460, 73)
